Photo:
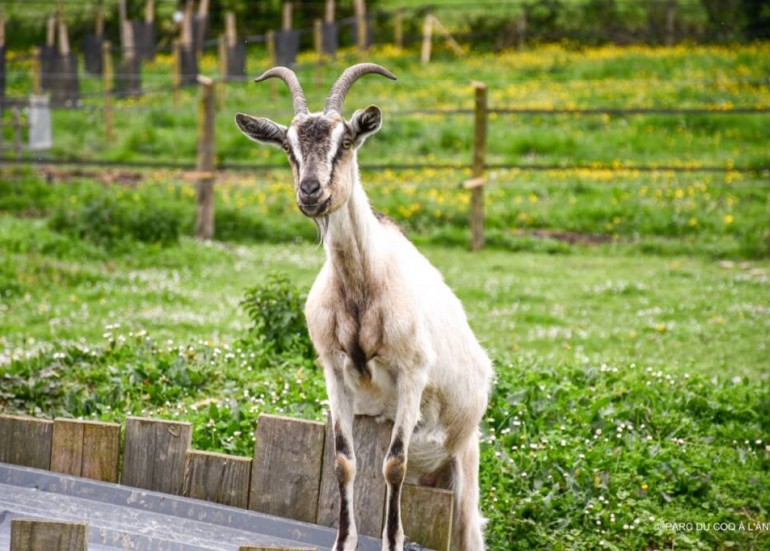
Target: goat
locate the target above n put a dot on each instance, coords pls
(392, 338)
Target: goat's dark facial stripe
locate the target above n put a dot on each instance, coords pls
(292, 157)
(341, 151)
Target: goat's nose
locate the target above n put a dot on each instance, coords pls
(309, 186)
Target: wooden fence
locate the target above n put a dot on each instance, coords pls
(290, 475)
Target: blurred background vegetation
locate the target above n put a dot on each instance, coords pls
(490, 24)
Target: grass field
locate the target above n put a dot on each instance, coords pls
(632, 388)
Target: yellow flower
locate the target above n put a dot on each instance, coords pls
(693, 222)
(729, 219)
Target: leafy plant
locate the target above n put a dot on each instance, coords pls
(276, 311)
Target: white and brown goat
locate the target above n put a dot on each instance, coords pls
(391, 336)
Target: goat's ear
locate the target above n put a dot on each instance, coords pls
(366, 122)
(261, 130)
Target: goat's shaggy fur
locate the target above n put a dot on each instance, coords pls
(393, 339)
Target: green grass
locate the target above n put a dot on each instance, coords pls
(632, 390)
(685, 313)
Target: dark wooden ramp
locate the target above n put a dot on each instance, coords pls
(121, 517)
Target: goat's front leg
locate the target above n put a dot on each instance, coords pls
(341, 406)
(410, 390)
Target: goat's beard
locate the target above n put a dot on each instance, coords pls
(322, 225)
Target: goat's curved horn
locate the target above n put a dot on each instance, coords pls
(346, 80)
(288, 76)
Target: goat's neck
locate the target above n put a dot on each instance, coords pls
(351, 241)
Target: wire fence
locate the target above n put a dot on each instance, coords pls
(96, 101)
(76, 162)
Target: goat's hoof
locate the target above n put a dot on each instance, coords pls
(413, 546)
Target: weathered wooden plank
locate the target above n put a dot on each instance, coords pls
(426, 514)
(67, 447)
(274, 548)
(371, 442)
(26, 441)
(86, 448)
(154, 454)
(217, 477)
(32, 535)
(286, 473)
(101, 451)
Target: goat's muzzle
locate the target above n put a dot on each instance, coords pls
(311, 200)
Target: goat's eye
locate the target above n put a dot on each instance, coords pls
(286, 147)
(347, 144)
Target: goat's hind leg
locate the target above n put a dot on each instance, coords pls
(468, 529)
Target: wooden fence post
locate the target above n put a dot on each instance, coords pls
(371, 441)
(670, 22)
(398, 30)
(521, 30)
(154, 454)
(203, 21)
(204, 225)
(130, 62)
(223, 72)
(149, 11)
(122, 19)
(177, 60)
(287, 16)
(99, 23)
(227, 42)
(187, 37)
(16, 131)
(86, 448)
(427, 39)
(319, 49)
(39, 535)
(107, 87)
(50, 35)
(477, 169)
(37, 77)
(427, 515)
(26, 441)
(271, 55)
(286, 472)
(362, 30)
(217, 477)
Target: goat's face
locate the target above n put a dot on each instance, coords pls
(321, 147)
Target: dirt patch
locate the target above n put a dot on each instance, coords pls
(573, 238)
(108, 176)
